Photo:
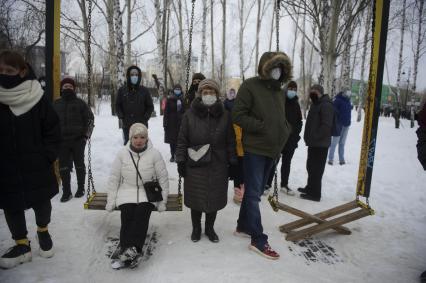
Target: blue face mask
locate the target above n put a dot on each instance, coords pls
(291, 94)
(177, 92)
(134, 79)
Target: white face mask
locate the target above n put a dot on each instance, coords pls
(208, 99)
(275, 73)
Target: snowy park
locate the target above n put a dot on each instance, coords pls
(387, 247)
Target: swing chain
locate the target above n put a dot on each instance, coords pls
(275, 194)
(277, 23)
(90, 183)
(188, 63)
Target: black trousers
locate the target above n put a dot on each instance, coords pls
(287, 156)
(15, 219)
(173, 149)
(196, 219)
(315, 165)
(239, 179)
(72, 151)
(134, 224)
(126, 135)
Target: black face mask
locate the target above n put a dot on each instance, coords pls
(67, 92)
(313, 96)
(8, 81)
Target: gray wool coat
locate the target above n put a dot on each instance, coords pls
(206, 186)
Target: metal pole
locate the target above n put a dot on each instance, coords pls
(52, 49)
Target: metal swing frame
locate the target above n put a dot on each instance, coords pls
(356, 209)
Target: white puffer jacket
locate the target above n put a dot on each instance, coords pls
(122, 186)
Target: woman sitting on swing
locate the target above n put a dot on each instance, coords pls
(135, 166)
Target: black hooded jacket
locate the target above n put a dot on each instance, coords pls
(134, 102)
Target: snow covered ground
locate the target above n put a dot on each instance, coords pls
(387, 247)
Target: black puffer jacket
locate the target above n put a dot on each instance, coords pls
(75, 116)
(319, 123)
(29, 144)
(134, 102)
(294, 118)
(206, 186)
(421, 146)
(172, 118)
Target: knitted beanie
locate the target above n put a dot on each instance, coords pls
(198, 76)
(138, 129)
(68, 80)
(209, 83)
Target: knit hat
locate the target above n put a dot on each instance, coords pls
(208, 83)
(198, 76)
(68, 80)
(177, 86)
(318, 88)
(292, 84)
(138, 129)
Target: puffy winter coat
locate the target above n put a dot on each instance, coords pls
(172, 118)
(421, 135)
(29, 144)
(259, 108)
(123, 181)
(206, 187)
(294, 118)
(319, 123)
(76, 117)
(134, 102)
(343, 108)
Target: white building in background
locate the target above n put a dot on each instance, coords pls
(154, 66)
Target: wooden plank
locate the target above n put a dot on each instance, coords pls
(286, 228)
(313, 218)
(307, 232)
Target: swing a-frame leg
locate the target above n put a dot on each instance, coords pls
(320, 219)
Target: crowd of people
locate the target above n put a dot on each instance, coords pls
(212, 142)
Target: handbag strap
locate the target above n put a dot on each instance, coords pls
(136, 167)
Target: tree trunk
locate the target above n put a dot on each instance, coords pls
(129, 34)
(163, 43)
(119, 43)
(355, 55)
(158, 21)
(302, 60)
(331, 55)
(112, 51)
(241, 37)
(203, 36)
(416, 58)
(271, 35)
(212, 37)
(296, 29)
(346, 57)
(258, 25)
(400, 59)
(166, 46)
(361, 90)
(223, 68)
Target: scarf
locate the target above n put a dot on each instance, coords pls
(23, 97)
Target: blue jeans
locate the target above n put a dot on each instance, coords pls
(341, 140)
(256, 173)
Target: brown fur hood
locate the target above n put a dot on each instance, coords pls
(270, 60)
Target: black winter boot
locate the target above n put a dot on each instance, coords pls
(46, 244)
(209, 230)
(196, 225)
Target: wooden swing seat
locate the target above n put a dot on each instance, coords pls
(97, 201)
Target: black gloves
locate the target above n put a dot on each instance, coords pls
(232, 172)
(181, 169)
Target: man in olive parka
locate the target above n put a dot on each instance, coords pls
(260, 111)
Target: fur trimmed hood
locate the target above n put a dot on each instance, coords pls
(270, 60)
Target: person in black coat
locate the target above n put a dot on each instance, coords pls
(172, 118)
(294, 117)
(77, 122)
(205, 153)
(317, 136)
(192, 91)
(230, 100)
(134, 102)
(29, 144)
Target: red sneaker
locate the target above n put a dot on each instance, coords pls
(267, 251)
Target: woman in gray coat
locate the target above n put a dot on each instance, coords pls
(206, 157)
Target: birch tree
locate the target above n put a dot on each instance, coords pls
(203, 36)
(118, 27)
(400, 61)
(223, 64)
(261, 9)
(212, 37)
(243, 18)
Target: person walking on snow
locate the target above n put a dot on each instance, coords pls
(193, 89)
(317, 137)
(29, 145)
(294, 117)
(259, 110)
(134, 102)
(136, 163)
(77, 123)
(172, 118)
(205, 155)
(342, 110)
